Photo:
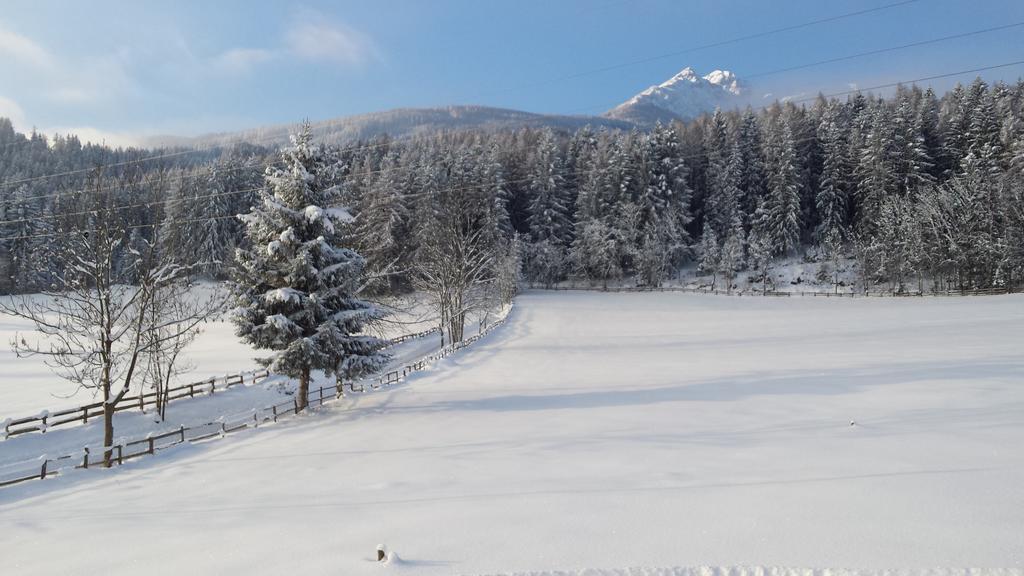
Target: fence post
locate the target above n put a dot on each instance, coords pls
(274, 410)
(191, 390)
(85, 457)
(120, 454)
(182, 430)
(213, 385)
(85, 414)
(296, 403)
(150, 439)
(42, 471)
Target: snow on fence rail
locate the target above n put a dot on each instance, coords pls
(82, 414)
(45, 466)
(718, 291)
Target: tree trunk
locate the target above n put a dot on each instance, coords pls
(108, 434)
(303, 394)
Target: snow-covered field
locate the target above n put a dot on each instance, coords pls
(601, 431)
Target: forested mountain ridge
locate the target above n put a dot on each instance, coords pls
(682, 97)
(398, 124)
(911, 186)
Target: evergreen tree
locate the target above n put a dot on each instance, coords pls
(710, 253)
(780, 212)
(752, 174)
(295, 286)
(833, 188)
(549, 221)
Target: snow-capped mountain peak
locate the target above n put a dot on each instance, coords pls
(685, 95)
(726, 80)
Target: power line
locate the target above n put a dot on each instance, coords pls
(884, 50)
(717, 44)
(913, 81)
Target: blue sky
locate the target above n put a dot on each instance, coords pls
(121, 70)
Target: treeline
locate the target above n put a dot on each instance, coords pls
(913, 187)
(49, 186)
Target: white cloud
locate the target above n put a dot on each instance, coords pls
(9, 109)
(24, 49)
(242, 60)
(313, 37)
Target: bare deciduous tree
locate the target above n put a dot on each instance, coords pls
(99, 319)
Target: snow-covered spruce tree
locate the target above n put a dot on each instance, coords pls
(381, 224)
(25, 238)
(752, 180)
(710, 253)
(295, 285)
(732, 258)
(834, 185)
(910, 161)
(780, 211)
(549, 219)
(719, 207)
(760, 255)
(663, 206)
(874, 173)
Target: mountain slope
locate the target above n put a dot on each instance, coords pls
(684, 96)
(399, 123)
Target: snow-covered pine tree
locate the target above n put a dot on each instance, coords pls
(710, 253)
(212, 236)
(780, 211)
(752, 178)
(760, 255)
(983, 144)
(873, 172)
(25, 236)
(381, 222)
(732, 258)
(663, 206)
(911, 164)
(718, 206)
(549, 214)
(295, 285)
(834, 184)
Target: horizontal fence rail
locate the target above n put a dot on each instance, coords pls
(781, 293)
(125, 450)
(82, 414)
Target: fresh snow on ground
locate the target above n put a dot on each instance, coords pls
(602, 431)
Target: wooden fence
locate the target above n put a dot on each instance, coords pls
(82, 414)
(45, 466)
(775, 293)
